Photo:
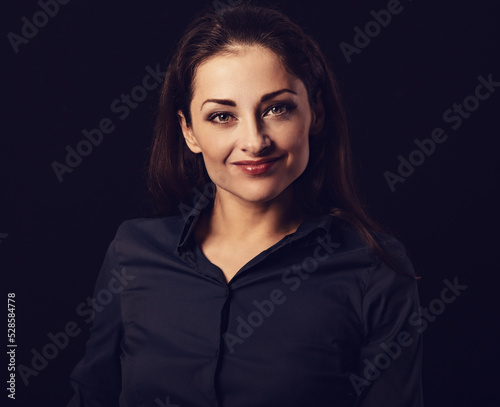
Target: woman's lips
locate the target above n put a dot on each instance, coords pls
(248, 167)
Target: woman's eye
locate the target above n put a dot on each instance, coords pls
(221, 118)
(277, 110)
(280, 110)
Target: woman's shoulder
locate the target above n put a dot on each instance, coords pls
(351, 240)
(141, 235)
(351, 237)
(131, 228)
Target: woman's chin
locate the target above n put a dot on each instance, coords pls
(256, 193)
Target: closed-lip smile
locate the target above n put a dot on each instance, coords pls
(257, 162)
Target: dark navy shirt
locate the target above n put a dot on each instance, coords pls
(314, 320)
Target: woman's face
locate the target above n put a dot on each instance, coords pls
(246, 107)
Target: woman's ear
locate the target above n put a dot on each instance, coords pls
(187, 132)
(318, 116)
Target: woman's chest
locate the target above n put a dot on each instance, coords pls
(263, 336)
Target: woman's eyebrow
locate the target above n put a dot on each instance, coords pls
(264, 98)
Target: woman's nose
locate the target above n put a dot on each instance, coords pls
(253, 136)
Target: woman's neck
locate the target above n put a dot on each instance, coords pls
(242, 221)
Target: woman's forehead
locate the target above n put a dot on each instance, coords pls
(252, 70)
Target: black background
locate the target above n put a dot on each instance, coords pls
(395, 90)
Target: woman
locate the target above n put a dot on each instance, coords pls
(274, 288)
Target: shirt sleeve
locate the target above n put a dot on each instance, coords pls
(96, 379)
(390, 360)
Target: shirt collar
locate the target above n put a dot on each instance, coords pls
(190, 220)
(321, 222)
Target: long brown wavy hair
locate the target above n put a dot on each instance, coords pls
(326, 185)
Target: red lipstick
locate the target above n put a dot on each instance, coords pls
(257, 167)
